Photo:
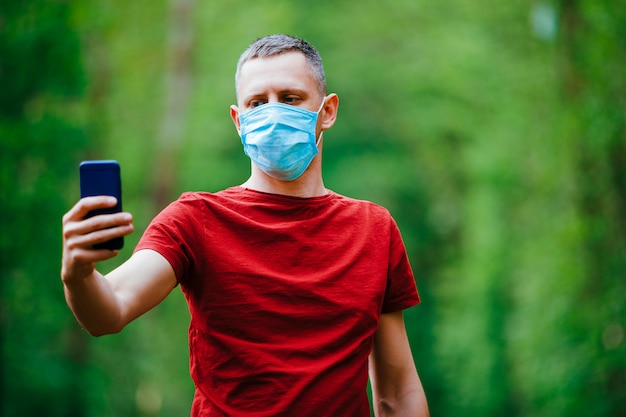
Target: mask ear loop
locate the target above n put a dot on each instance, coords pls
(322, 105)
(319, 139)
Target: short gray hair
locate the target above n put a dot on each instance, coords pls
(273, 45)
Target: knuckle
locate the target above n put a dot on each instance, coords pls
(67, 233)
(100, 236)
(71, 245)
(80, 257)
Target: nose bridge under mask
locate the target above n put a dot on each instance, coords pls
(278, 113)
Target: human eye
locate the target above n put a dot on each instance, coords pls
(256, 103)
(291, 100)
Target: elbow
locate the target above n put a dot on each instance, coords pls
(101, 332)
(102, 329)
(412, 402)
(384, 408)
(95, 333)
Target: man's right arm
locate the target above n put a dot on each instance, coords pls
(105, 304)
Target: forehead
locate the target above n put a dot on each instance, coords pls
(280, 72)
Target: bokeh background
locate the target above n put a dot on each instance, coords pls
(494, 131)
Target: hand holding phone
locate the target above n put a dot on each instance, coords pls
(100, 178)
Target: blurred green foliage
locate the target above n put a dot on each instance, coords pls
(493, 131)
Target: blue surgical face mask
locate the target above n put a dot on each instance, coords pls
(280, 139)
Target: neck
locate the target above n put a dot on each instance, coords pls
(309, 184)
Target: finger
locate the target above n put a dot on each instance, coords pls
(105, 221)
(89, 256)
(87, 204)
(81, 237)
(104, 235)
(79, 226)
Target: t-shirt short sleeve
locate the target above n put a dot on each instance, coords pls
(401, 292)
(172, 233)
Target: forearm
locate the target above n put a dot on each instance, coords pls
(94, 304)
(396, 387)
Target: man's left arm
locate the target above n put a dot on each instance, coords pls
(396, 387)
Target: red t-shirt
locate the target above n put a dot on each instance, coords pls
(285, 295)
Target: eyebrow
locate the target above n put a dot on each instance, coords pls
(281, 92)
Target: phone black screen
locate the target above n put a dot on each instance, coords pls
(102, 178)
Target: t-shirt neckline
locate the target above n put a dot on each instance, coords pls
(284, 198)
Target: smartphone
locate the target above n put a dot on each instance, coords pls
(102, 178)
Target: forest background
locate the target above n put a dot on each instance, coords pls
(493, 131)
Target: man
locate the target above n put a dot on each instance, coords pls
(295, 292)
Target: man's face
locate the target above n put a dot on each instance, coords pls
(284, 78)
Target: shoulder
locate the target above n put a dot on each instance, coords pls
(200, 199)
(187, 202)
(362, 214)
(189, 205)
(361, 206)
(202, 206)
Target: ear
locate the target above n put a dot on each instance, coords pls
(234, 114)
(329, 111)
